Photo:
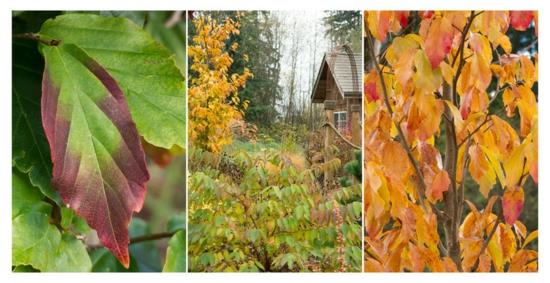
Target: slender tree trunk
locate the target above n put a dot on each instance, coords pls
(451, 206)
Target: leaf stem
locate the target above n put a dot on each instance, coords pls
(36, 37)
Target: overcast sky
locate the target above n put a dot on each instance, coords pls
(309, 28)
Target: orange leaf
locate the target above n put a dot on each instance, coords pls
(520, 259)
(379, 23)
(439, 186)
(395, 159)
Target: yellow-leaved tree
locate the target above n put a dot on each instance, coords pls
(443, 90)
(213, 93)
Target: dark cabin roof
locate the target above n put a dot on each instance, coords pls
(346, 68)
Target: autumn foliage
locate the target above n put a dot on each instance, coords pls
(442, 91)
(213, 93)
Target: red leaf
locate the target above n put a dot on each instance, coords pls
(161, 156)
(371, 86)
(427, 14)
(98, 162)
(520, 20)
(438, 41)
(403, 17)
(512, 204)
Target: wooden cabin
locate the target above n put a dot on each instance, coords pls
(339, 87)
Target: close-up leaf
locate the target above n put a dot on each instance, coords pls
(99, 165)
(145, 71)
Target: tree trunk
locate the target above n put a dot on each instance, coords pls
(450, 224)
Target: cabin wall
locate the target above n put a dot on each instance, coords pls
(349, 102)
(333, 93)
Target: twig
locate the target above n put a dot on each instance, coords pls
(420, 191)
(524, 49)
(523, 169)
(140, 239)
(36, 37)
(55, 214)
(470, 134)
(531, 261)
(330, 125)
(174, 19)
(497, 92)
(151, 237)
(488, 239)
(461, 62)
(463, 184)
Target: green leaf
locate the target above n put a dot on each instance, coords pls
(39, 244)
(31, 153)
(176, 253)
(104, 261)
(253, 235)
(24, 268)
(177, 222)
(138, 17)
(67, 216)
(70, 256)
(145, 70)
(34, 240)
(357, 209)
(25, 197)
(289, 260)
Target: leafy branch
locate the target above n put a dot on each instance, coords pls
(421, 182)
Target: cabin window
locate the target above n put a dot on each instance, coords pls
(341, 120)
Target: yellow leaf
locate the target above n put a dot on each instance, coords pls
(495, 163)
(457, 118)
(448, 72)
(507, 242)
(520, 228)
(400, 55)
(532, 236)
(505, 43)
(426, 79)
(481, 46)
(513, 167)
(480, 170)
(527, 106)
(527, 71)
